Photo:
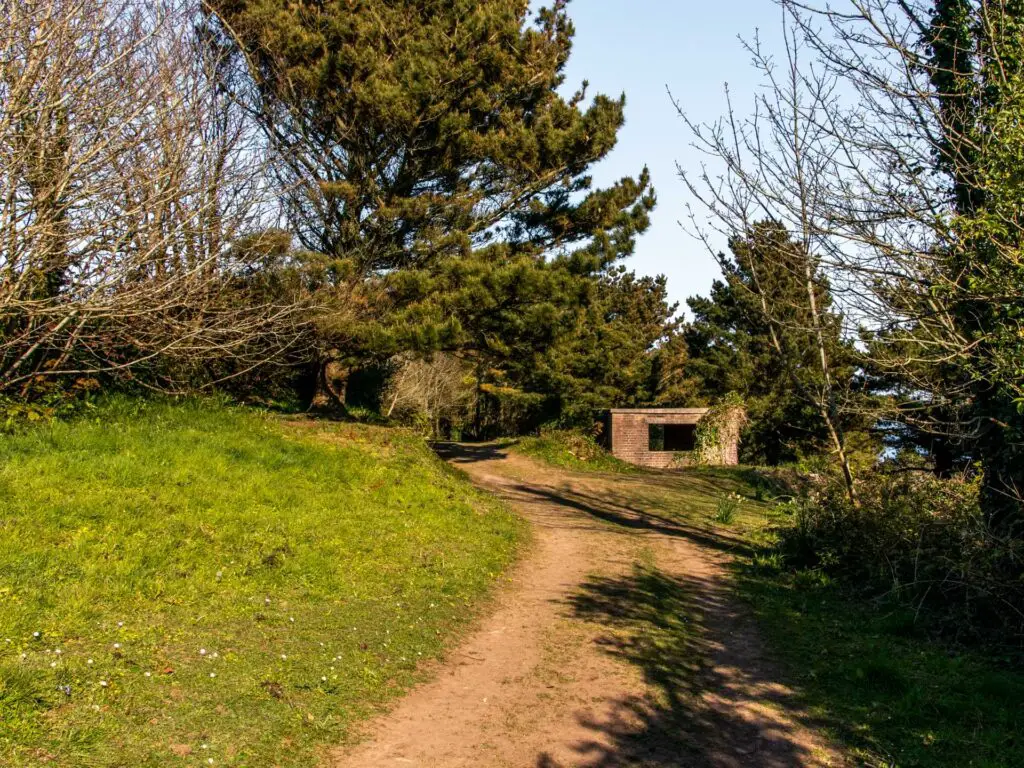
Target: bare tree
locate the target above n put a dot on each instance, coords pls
(127, 173)
(886, 141)
(440, 388)
(775, 174)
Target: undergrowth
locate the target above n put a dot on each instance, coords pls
(894, 696)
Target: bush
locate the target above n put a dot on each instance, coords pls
(915, 539)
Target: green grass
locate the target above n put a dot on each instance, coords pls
(894, 697)
(215, 584)
(571, 450)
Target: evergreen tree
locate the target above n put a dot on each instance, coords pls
(427, 158)
(976, 69)
(548, 340)
(410, 130)
(611, 355)
(731, 346)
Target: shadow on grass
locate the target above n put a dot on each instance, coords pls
(710, 689)
(471, 453)
(893, 694)
(622, 510)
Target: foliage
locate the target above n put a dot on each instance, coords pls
(872, 678)
(983, 264)
(728, 506)
(731, 346)
(887, 140)
(220, 583)
(439, 178)
(617, 354)
(545, 342)
(718, 429)
(48, 399)
(571, 449)
(424, 157)
(409, 131)
(915, 540)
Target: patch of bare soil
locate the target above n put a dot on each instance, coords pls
(617, 643)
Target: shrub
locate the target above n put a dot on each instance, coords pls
(915, 539)
(719, 430)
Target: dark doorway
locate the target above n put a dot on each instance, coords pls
(671, 437)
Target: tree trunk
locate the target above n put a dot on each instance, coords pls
(329, 395)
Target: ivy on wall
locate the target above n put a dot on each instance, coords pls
(719, 429)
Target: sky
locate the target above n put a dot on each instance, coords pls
(645, 48)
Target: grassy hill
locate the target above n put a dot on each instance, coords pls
(193, 584)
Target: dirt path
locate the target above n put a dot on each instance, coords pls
(617, 644)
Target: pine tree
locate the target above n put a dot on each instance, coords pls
(613, 355)
(411, 130)
(732, 345)
(428, 158)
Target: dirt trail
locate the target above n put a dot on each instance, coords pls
(616, 644)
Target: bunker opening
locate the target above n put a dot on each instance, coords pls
(673, 438)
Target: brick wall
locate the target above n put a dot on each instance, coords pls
(628, 436)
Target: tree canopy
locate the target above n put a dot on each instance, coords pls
(409, 131)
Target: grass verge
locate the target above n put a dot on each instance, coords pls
(894, 697)
(573, 450)
(196, 585)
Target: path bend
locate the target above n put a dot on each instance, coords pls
(617, 643)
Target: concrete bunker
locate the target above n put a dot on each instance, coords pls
(663, 437)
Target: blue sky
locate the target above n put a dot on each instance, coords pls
(642, 47)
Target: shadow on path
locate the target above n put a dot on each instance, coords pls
(713, 701)
(618, 510)
(712, 698)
